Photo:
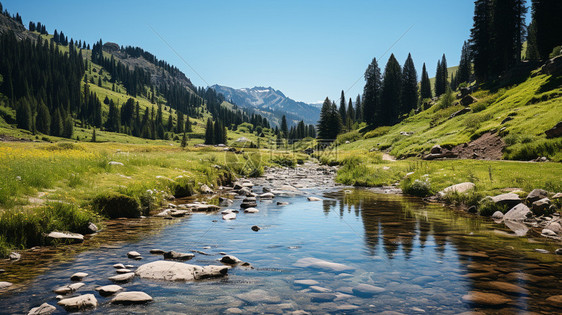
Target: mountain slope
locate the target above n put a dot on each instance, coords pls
(271, 103)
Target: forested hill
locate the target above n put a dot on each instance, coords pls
(51, 84)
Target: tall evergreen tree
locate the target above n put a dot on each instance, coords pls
(548, 23)
(507, 28)
(342, 109)
(284, 128)
(350, 114)
(390, 94)
(209, 132)
(188, 125)
(425, 85)
(532, 52)
(68, 127)
(329, 125)
(179, 126)
(24, 117)
(441, 77)
(56, 124)
(371, 103)
(465, 65)
(43, 119)
(410, 94)
(359, 108)
(480, 39)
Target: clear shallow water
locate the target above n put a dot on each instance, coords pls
(424, 256)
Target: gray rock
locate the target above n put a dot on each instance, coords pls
(178, 256)
(554, 226)
(320, 289)
(321, 264)
(542, 251)
(458, 188)
(282, 203)
(517, 213)
(115, 163)
(124, 277)
(541, 206)
(78, 276)
(557, 196)
(251, 210)
(435, 149)
(225, 202)
(69, 288)
(229, 216)
(92, 228)
(497, 215)
(230, 260)
(78, 303)
(119, 266)
(124, 270)
(313, 199)
(509, 199)
(306, 282)
(108, 290)
(255, 228)
(367, 290)
(132, 297)
(5, 284)
(555, 131)
(206, 190)
(133, 254)
(558, 251)
(156, 251)
(267, 195)
(519, 228)
(322, 297)
(488, 299)
(536, 194)
(66, 236)
(233, 310)
(177, 271)
(259, 296)
(43, 309)
(548, 232)
(266, 189)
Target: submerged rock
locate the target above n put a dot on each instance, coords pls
(43, 309)
(156, 251)
(488, 299)
(176, 271)
(313, 199)
(5, 284)
(66, 236)
(132, 297)
(306, 282)
(367, 290)
(555, 300)
(259, 296)
(321, 264)
(255, 228)
(230, 260)
(251, 210)
(79, 303)
(178, 256)
(322, 297)
(14, 256)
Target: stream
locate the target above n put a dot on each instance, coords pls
(354, 251)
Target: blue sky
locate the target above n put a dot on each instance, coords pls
(307, 49)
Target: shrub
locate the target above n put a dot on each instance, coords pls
(183, 187)
(116, 205)
(467, 199)
(351, 136)
(487, 207)
(377, 132)
(556, 51)
(285, 161)
(420, 188)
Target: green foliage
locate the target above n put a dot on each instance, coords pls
(527, 148)
(377, 132)
(285, 161)
(25, 228)
(556, 51)
(116, 205)
(446, 100)
(417, 187)
(183, 187)
(351, 136)
(487, 207)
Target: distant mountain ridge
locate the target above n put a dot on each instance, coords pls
(271, 103)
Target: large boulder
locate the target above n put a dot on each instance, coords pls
(467, 100)
(436, 149)
(535, 195)
(78, 303)
(176, 271)
(517, 213)
(509, 199)
(458, 188)
(555, 131)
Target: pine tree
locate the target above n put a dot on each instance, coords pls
(284, 128)
(359, 108)
(410, 94)
(532, 52)
(68, 127)
(425, 85)
(170, 125)
(209, 132)
(342, 109)
(179, 126)
(465, 65)
(94, 138)
(23, 115)
(441, 77)
(184, 140)
(350, 114)
(371, 103)
(548, 23)
(390, 93)
(507, 29)
(43, 119)
(480, 39)
(56, 123)
(188, 125)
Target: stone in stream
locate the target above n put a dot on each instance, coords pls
(367, 290)
(156, 251)
(536, 194)
(519, 228)
(92, 228)
(319, 289)
(266, 190)
(547, 232)
(267, 195)
(78, 303)
(132, 297)
(509, 199)
(497, 215)
(306, 282)
(259, 296)
(251, 210)
(5, 284)
(255, 228)
(282, 203)
(314, 199)
(119, 266)
(78, 276)
(557, 196)
(43, 309)
(558, 251)
(507, 287)
(554, 227)
(124, 277)
(66, 236)
(517, 213)
(178, 256)
(322, 297)
(321, 264)
(487, 299)
(248, 202)
(541, 206)
(177, 271)
(133, 255)
(555, 300)
(230, 260)
(233, 310)
(69, 288)
(124, 270)
(108, 290)
(229, 216)
(225, 202)
(227, 211)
